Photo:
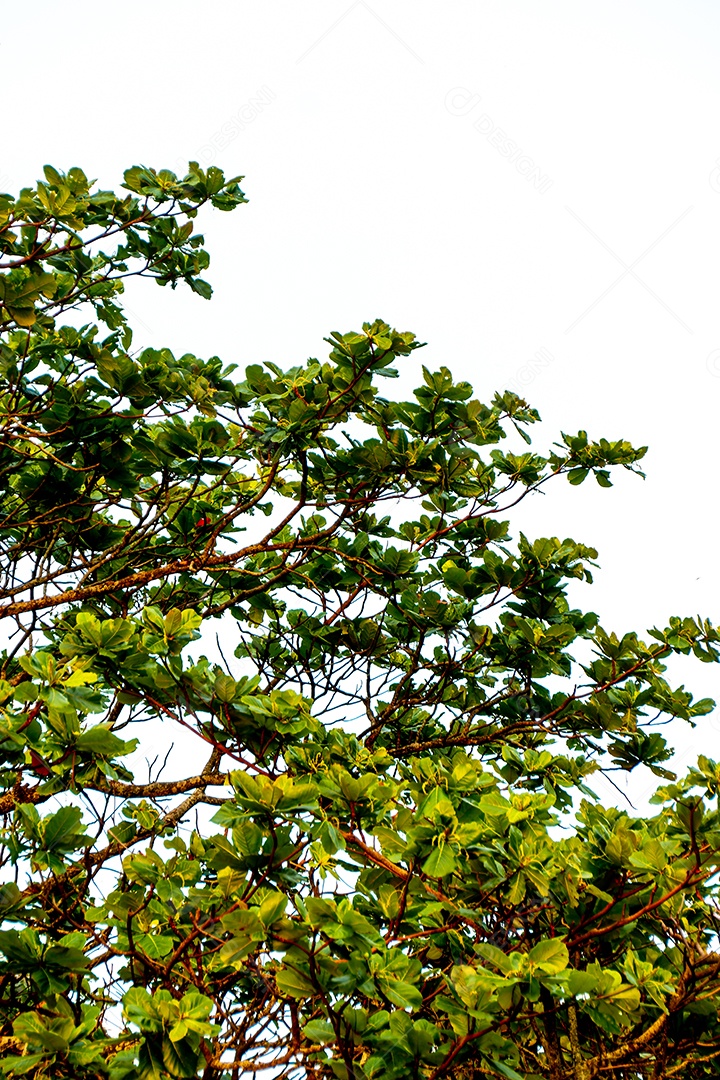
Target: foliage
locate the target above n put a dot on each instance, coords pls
(397, 866)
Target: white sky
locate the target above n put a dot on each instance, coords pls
(376, 190)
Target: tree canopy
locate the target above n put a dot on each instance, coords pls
(384, 857)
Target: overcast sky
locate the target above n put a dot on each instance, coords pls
(533, 189)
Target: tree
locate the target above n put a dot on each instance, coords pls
(385, 858)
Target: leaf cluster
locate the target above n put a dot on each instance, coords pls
(382, 854)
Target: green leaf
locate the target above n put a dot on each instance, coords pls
(225, 687)
(154, 945)
(319, 1031)
(66, 957)
(25, 692)
(550, 956)
(504, 1069)
(293, 983)
(272, 908)
(179, 1058)
(100, 740)
(400, 993)
(61, 830)
(440, 862)
(494, 956)
(20, 1066)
